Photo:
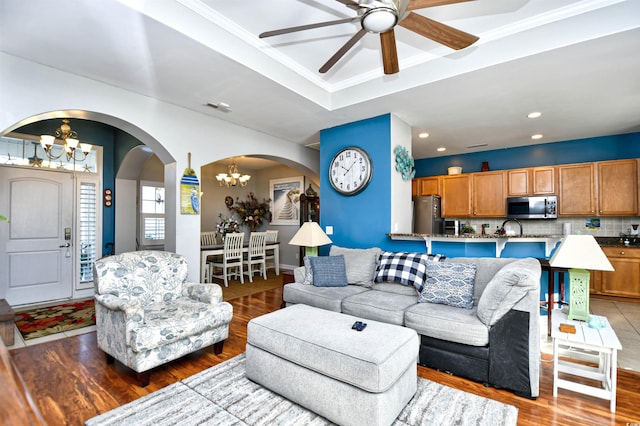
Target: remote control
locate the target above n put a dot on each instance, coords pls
(358, 325)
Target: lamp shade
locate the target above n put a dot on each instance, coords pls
(580, 252)
(310, 235)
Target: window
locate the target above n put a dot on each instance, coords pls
(87, 230)
(88, 234)
(151, 213)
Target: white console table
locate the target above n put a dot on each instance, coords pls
(603, 341)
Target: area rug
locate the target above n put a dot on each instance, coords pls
(39, 322)
(222, 395)
(237, 289)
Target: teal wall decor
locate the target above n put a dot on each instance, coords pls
(404, 163)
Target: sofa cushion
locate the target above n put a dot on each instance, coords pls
(508, 287)
(487, 268)
(328, 271)
(447, 323)
(404, 267)
(167, 322)
(329, 298)
(360, 264)
(379, 306)
(449, 284)
(397, 288)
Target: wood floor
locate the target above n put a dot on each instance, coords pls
(70, 381)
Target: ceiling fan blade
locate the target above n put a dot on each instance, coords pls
(341, 52)
(437, 31)
(389, 52)
(349, 3)
(421, 4)
(306, 27)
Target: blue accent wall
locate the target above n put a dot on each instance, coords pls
(603, 148)
(361, 220)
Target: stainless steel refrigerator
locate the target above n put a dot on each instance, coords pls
(427, 217)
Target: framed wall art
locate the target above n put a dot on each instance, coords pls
(285, 200)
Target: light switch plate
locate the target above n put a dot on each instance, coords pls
(329, 230)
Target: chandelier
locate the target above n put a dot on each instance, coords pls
(233, 177)
(70, 143)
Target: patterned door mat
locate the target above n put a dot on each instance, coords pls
(39, 322)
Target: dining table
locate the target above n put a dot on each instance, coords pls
(218, 249)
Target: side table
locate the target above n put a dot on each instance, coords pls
(601, 340)
(551, 288)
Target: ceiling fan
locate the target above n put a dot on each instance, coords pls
(380, 17)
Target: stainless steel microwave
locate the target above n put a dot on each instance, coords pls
(539, 207)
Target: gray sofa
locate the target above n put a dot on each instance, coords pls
(494, 340)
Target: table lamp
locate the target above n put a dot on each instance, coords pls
(310, 235)
(579, 253)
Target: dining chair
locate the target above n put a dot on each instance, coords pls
(256, 254)
(209, 238)
(270, 258)
(231, 264)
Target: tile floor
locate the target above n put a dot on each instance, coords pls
(624, 318)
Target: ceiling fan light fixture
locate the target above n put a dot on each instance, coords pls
(379, 19)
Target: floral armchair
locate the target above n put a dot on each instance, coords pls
(147, 314)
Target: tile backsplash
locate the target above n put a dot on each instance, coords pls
(609, 226)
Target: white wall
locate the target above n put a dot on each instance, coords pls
(32, 92)
(401, 211)
(125, 234)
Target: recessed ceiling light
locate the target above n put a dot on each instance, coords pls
(442, 148)
(536, 136)
(423, 135)
(534, 114)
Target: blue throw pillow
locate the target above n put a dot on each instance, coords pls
(328, 271)
(406, 268)
(449, 284)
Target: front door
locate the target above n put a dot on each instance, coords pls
(36, 257)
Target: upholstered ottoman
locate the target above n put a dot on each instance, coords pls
(312, 357)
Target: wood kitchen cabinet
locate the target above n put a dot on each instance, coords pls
(618, 187)
(426, 186)
(531, 181)
(616, 183)
(456, 195)
(489, 194)
(625, 280)
(576, 190)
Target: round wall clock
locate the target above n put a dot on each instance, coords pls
(350, 170)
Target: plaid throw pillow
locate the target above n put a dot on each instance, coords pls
(407, 268)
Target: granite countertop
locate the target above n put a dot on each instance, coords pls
(487, 236)
(634, 242)
(603, 241)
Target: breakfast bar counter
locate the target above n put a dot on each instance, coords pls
(500, 241)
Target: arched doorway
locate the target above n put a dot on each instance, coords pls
(41, 254)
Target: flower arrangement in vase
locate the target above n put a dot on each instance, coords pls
(252, 212)
(227, 225)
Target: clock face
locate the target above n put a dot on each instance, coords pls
(350, 170)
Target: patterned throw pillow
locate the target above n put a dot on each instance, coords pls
(407, 268)
(449, 284)
(328, 271)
